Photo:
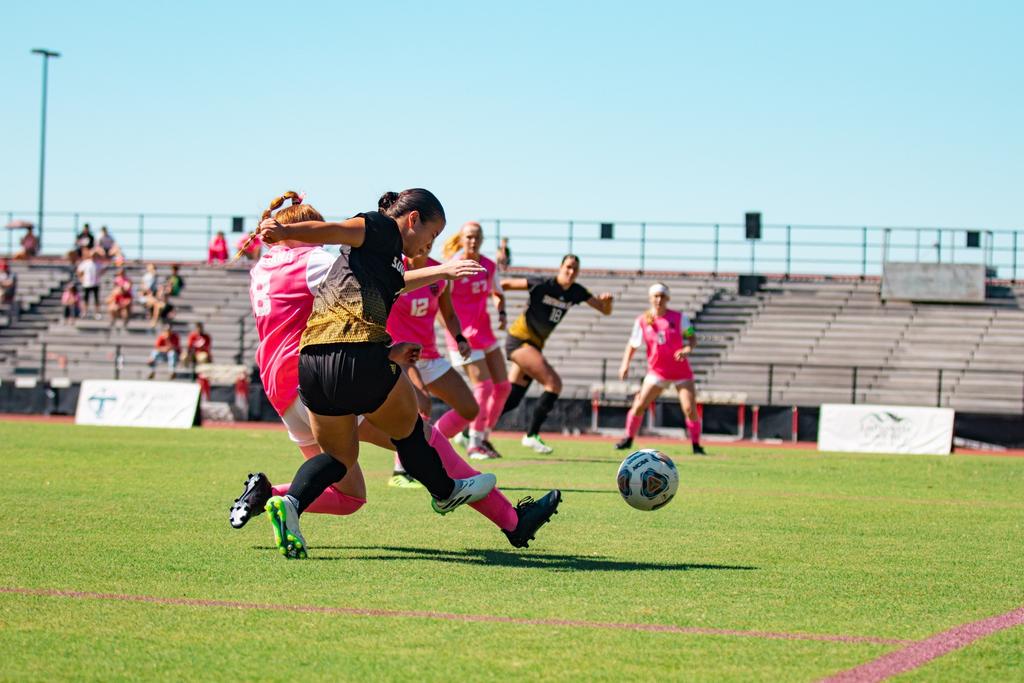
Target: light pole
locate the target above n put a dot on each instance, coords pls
(46, 54)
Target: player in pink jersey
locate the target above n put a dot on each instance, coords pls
(284, 283)
(412, 320)
(486, 364)
(669, 339)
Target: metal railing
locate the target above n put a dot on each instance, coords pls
(628, 245)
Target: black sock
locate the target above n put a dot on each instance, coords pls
(544, 405)
(313, 478)
(422, 463)
(515, 397)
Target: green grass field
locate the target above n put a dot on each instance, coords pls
(757, 542)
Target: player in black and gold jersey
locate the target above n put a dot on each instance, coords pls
(344, 369)
(550, 299)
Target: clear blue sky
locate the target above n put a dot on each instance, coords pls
(901, 113)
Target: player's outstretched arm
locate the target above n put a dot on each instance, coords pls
(351, 232)
(602, 302)
(452, 270)
(627, 357)
(515, 283)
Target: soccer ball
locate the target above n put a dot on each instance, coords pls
(648, 479)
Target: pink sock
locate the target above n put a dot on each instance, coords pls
(495, 506)
(693, 429)
(451, 423)
(482, 392)
(497, 402)
(633, 423)
(330, 502)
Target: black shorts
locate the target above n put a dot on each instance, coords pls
(94, 292)
(513, 343)
(346, 378)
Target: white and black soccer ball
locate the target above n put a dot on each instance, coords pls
(648, 479)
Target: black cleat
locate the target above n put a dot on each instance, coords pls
(533, 514)
(626, 443)
(486, 443)
(252, 501)
(698, 449)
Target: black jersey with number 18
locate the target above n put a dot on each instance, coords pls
(547, 306)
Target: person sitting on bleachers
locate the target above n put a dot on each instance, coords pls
(106, 246)
(149, 280)
(8, 291)
(197, 347)
(119, 305)
(71, 300)
(166, 348)
(29, 245)
(161, 309)
(175, 281)
(84, 241)
(122, 280)
(218, 252)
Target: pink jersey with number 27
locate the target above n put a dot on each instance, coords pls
(282, 286)
(469, 297)
(412, 316)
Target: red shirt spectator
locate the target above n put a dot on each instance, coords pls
(198, 344)
(218, 252)
(166, 341)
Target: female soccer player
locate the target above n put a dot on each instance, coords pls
(486, 364)
(344, 370)
(669, 338)
(550, 299)
(412, 320)
(284, 283)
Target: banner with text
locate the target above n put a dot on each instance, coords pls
(123, 403)
(885, 429)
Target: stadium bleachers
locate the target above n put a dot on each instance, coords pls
(810, 332)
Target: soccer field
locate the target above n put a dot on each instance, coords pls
(119, 563)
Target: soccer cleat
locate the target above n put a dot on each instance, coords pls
(489, 447)
(698, 449)
(285, 520)
(250, 503)
(481, 453)
(533, 514)
(625, 444)
(466, 491)
(537, 444)
(403, 481)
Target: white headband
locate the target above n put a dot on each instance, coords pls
(657, 288)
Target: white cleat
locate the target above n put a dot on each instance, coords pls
(537, 444)
(466, 491)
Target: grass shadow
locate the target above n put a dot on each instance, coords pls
(541, 488)
(504, 558)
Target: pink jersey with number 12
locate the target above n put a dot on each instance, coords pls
(412, 316)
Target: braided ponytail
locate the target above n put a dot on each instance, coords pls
(294, 213)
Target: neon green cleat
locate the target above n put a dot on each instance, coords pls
(404, 481)
(284, 518)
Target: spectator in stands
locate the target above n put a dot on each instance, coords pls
(71, 300)
(149, 281)
(84, 241)
(252, 251)
(161, 309)
(166, 348)
(8, 291)
(123, 281)
(29, 245)
(107, 247)
(218, 252)
(119, 305)
(88, 272)
(504, 256)
(198, 347)
(175, 281)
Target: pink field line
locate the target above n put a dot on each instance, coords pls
(921, 652)
(449, 616)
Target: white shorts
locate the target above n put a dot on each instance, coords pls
(431, 369)
(476, 355)
(296, 420)
(651, 379)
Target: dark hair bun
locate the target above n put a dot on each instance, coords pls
(386, 201)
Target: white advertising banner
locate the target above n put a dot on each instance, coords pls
(885, 429)
(123, 403)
